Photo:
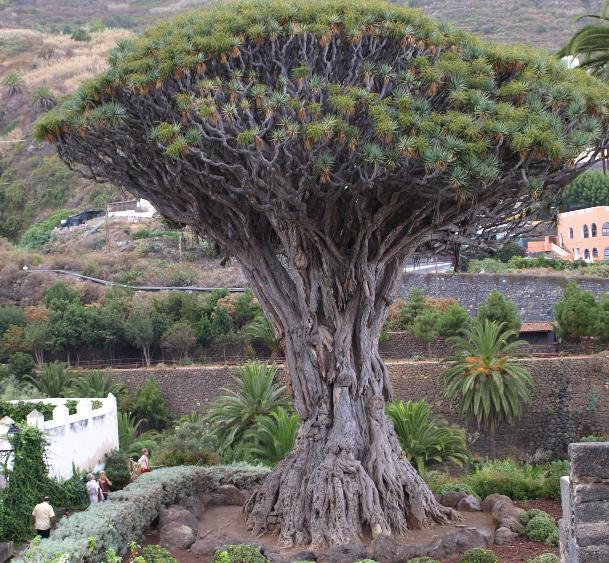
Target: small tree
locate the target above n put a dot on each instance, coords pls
(11, 315)
(139, 329)
(414, 306)
(452, 320)
(484, 376)
(179, 340)
(150, 406)
(426, 327)
(38, 339)
(499, 309)
(578, 314)
(13, 340)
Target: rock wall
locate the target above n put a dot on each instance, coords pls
(535, 296)
(584, 527)
(570, 398)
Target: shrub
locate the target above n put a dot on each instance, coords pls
(115, 524)
(20, 364)
(39, 234)
(499, 309)
(18, 411)
(426, 439)
(273, 436)
(239, 554)
(541, 527)
(478, 555)
(157, 554)
(545, 558)
(457, 487)
(11, 315)
(508, 478)
(190, 443)
(150, 406)
(551, 485)
(117, 468)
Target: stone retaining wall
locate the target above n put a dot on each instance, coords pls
(535, 296)
(570, 398)
(584, 528)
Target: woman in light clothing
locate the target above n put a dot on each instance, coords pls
(144, 462)
(93, 489)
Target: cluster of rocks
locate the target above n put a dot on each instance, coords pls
(179, 523)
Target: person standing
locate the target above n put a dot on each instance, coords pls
(144, 461)
(93, 489)
(104, 484)
(42, 514)
(134, 468)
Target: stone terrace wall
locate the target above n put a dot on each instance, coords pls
(570, 398)
(534, 296)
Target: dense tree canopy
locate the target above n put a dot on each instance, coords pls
(587, 190)
(320, 142)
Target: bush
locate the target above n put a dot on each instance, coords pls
(545, 558)
(424, 559)
(18, 411)
(190, 443)
(11, 315)
(117, 468)
(540, 526)
(39, 234)
(506, 477)
(457, 487)
(20, 364)
(150, 406)
(498, 308)
(157, 554)
(239, 554)
(478, 555)
(115, 524)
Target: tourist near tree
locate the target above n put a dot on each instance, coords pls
(320, 143)
(485, 377)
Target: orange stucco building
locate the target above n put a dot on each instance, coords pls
(585, 233)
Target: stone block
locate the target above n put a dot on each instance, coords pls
(595, 511)
(565, 496)
(591, 533)
(589, 461)
(591, 493)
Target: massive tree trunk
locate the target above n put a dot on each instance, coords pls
(347, 474)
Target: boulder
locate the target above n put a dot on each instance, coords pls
(451, 498)
(386, 549)
(232, 495)
(209, 543)
(506, 515)
(490, 500)
(457, 541)
(349, 553)
(213, 499)
(178, 535)
(179, 514)
(193, 504)
(504, 535)
(469, 504)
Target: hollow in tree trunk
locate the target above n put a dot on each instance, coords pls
(347, 474)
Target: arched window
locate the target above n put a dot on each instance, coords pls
(606, 229)
(586, 254)
(594, 253)
(593, 229)
(571, 232)
(586, 232)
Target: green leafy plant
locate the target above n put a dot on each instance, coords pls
(97, 384)
(157, 554)
(478, 555)
(456, 487)
(541, 527)
(499, 309)
(257, 393)
(259, 330)
(273, 436)
(150, 406)
(484, 376)
(117, 469)
(426, 439)
(239, 554)
(19, 411)
(190, 443)
(54, 380)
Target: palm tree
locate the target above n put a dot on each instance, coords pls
(129, 435)
(257, 393)
(492, 386)
(591, 43)
(259, 330)
(273, 436)
(426, 439)
(53, 380)
(97, 384)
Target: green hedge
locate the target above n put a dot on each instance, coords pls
(120, 521)
(19, 411)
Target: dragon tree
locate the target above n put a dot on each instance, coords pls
(320, 143)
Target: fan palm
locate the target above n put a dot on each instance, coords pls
(273, 436)
(426, 439)
(257, 393)
(97, 384)
(53, 380)
(491, 385)
(591, 43)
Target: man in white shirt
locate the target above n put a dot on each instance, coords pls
(42, 515)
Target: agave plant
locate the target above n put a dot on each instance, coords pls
(257, 393)
(484, 375)
(53, 380)
(273, 436)
(97, 384)
(426, 439)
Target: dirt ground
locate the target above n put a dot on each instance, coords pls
(228, 522)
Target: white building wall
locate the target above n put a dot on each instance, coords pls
(81, 440)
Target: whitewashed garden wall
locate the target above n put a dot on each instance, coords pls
(80, 440)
